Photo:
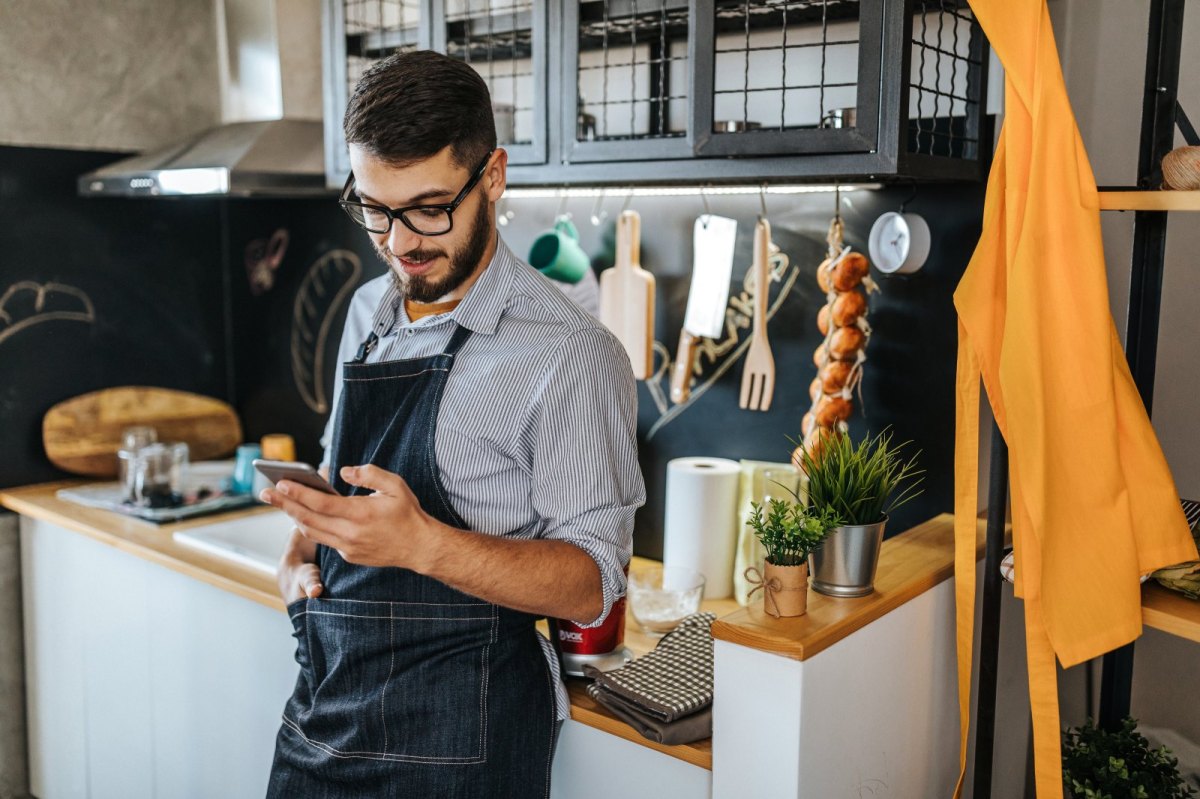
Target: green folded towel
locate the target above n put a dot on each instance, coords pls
(1185, 577)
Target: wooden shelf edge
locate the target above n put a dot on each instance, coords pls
(1170, 612)
(1149, 200)
(910, 564)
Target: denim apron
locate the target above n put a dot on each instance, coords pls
(407, 687)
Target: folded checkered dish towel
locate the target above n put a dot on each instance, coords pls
(667, 693)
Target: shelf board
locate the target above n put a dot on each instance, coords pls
(1170, 611)
(1135, 200)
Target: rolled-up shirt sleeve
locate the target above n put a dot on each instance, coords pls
(586, 482)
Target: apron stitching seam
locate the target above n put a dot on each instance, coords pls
(378, 755)
(483, 688)
(550, 684)
(430, 604)
(389, 377)
(391, 668)
(386, 618)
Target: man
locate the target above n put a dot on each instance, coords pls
(483, 439)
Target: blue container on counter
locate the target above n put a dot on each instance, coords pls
(243, 468)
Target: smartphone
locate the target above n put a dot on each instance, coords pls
(295, 471)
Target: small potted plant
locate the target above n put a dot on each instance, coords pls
(862, 484)
(789, 532)
(1098, 764)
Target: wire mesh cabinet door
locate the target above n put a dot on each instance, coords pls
(626, 78)
(793, 77)
(505, 41)
(944, 113)
(356, 34)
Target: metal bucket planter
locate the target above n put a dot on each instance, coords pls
(844, 566)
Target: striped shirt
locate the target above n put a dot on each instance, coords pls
(537, 429)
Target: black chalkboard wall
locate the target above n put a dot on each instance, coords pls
(132, 294)
(186, 294)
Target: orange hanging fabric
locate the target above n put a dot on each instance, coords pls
(1093, 502)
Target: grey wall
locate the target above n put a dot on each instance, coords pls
(1102, 45)
(106, 74)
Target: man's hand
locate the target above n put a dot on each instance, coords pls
(386, 528)
(298, 575)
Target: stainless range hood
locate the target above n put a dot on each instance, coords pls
(270, 57)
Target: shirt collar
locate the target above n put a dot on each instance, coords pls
(486, 301)
(479, 311)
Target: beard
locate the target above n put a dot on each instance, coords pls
(463, 262)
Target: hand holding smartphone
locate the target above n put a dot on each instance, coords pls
(297, 472)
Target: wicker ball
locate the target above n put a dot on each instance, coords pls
(1181, 169)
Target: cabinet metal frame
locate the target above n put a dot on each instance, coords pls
(573, 151)
(877, 150)
(536, 151)
(872, 82)
(334, 80)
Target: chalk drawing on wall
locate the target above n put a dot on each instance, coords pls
(714, 358)
(27, 303)
(325, 287)
(262, 258)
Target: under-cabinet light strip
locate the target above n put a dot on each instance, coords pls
(681, 191)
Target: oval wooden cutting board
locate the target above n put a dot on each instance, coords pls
(83, 434)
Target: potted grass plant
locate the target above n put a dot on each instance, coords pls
(1098, 764)
(789, 532)
(862, 484)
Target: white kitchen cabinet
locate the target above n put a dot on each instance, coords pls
(144, 682)
(592, 764)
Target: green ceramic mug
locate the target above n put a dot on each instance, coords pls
(557, 254)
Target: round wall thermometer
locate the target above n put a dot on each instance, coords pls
(899, 243)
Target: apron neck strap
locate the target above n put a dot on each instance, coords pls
(461, 334)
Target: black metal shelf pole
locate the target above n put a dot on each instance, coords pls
(989, 633)
(1163, 47)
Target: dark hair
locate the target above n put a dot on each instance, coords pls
(410, 106)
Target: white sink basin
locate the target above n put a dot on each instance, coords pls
(256, 541)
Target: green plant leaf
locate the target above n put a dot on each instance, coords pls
(863, 482)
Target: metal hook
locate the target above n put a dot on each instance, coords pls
(837, 202)
(628, 200)
(911, 195)
(598, 213)
(762, 199)
(707, 210)
(562, 203)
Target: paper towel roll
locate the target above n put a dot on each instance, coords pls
(700, 528)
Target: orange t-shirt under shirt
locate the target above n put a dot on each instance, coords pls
(419, 310)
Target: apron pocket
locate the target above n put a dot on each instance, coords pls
(399, 681)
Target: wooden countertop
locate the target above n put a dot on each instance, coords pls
(909, 564)
(148, 540)
(155, 543)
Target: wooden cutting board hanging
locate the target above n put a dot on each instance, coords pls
(627, 297)
(82, 435)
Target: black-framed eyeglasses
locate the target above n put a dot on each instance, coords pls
(424, 220)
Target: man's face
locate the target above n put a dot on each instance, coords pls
(432, 268)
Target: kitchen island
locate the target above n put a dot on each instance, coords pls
(156, 669)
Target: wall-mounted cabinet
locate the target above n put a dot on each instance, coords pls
(628, 91)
